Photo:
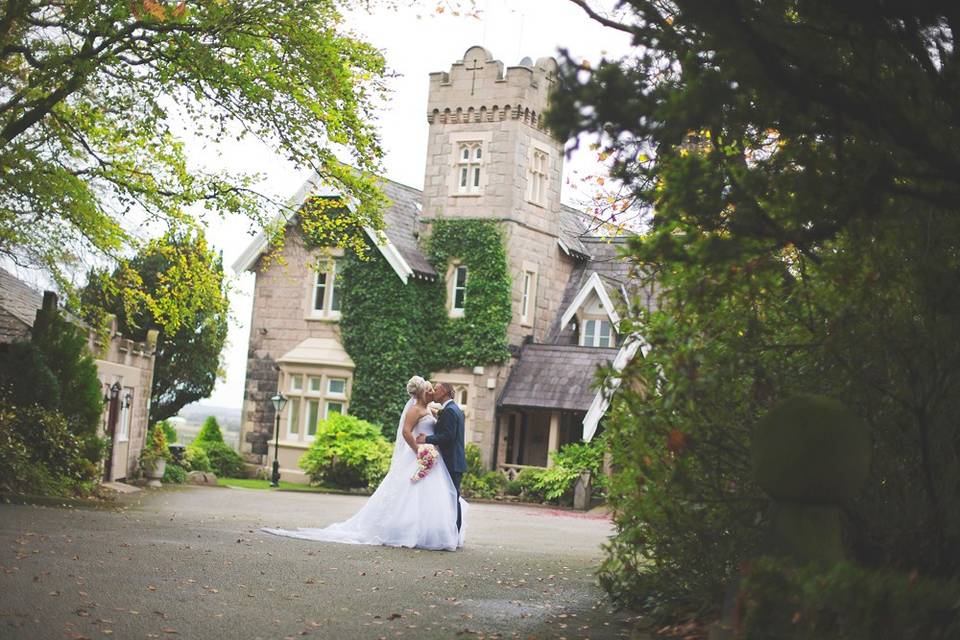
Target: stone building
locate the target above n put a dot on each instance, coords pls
(488, 157)
(124, 367)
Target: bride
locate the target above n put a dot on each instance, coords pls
(403, 513)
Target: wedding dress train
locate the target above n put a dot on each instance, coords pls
(401, 513)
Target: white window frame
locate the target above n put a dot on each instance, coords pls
(528, 294)
(538, 177)
(326, 407)
(595, 339)
(476, 165)
(294, 401)
(469, 167)
(306, 394)
(452, 288)
(330, 274)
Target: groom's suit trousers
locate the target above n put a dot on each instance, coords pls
(457, 477)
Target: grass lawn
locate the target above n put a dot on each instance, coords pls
(249, 483)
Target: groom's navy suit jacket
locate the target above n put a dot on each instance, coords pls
(448, 437)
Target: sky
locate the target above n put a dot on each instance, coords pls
(413, 46)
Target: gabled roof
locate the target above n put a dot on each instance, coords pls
(609, 266)
(18, 298)
(595, 286)
(553, 376)
(397, 242)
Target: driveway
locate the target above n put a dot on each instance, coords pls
(191, 563)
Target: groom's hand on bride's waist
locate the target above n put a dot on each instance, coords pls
(421, 439)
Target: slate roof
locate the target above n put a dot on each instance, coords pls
(18, 298)
(553, 376)
(605, 261)
(400, 221)
(399, 218)
(573, 229)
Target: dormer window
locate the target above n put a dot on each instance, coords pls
(469, 167)
(597, 333)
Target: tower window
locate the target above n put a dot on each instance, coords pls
(469, 167)
(537, 186)
(528, 299)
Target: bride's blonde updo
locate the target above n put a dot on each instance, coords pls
(415, 386)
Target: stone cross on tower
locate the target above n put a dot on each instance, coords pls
(474, 68)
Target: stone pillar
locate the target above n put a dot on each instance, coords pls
(553, 442)
(810, 455)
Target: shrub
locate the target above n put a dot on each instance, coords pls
(209, 432)
(528, 480)
(168, 431)
(844, 603)
(196, 459)
(347, 452)
(474, 460)
(556, 483)
(488, 485)
(513, 488)
(154, 449)
(39, 454)
(224, 461)
(174, 474)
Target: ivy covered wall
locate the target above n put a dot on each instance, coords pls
(393, 331)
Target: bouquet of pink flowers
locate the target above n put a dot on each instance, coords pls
(427, 455)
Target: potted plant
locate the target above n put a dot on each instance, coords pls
(154, 457)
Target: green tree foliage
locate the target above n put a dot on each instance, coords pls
(793, 164)
(209, 432)
(25, 378)
(64, 348)
(91, 88)
(181, 291)
(347, 453)
(416, 335)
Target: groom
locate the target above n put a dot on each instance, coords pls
(448, 437)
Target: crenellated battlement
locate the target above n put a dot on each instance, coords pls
(480, 89)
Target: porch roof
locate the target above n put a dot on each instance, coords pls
(554, 376)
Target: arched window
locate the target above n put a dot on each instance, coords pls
(469, 167)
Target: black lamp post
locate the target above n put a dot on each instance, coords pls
(278, 402)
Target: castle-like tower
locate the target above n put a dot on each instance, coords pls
(490, 157)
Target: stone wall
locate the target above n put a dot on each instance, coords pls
(280, 320)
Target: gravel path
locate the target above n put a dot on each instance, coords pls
(191, 563)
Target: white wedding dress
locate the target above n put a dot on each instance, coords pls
(401, 513)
